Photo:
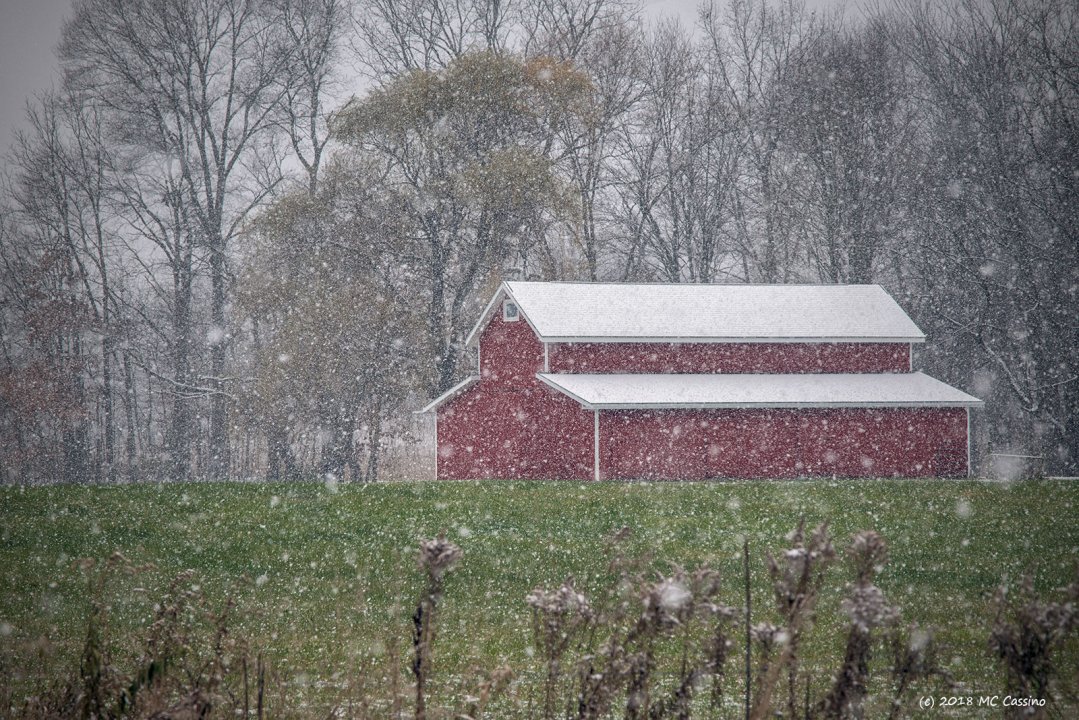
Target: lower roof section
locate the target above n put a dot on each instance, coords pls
(448, 395)
(671, 391)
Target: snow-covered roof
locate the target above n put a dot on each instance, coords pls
(449, 394)
(626, 312)
(643, 391)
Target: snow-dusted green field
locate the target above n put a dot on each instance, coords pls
(325, 576)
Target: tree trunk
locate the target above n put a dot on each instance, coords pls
(76, 435)
(219, 460)
(445, 363)
(130, 446)
(374, 443)
(180, 429)
(109, 459)
(338, 454)
(282, 464)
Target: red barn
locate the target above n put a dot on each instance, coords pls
(619, 381)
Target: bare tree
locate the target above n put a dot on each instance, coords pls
(313, 35)
(395, 36)
(854, 127)
(599, 38)
(756, 45)
(592, 142)
(567, 28)
(199, 81)
(678, 171)
(57, 269)
(996, 215)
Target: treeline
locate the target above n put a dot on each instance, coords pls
(216, 264)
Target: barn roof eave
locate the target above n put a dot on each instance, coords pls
(773, 406)
(448, 395)
(683, 339)
(485, 316)
(722, 391)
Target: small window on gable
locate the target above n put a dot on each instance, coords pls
(510, 311)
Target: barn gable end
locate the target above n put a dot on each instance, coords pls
(508, 423)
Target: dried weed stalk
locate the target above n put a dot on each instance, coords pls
(867, 609)
(914, 657)
(616, 645)
(183, 667)
(797, 576)
(558, 617)
(641, 647)
(1027, 633)
(489, 684)
(436, 558)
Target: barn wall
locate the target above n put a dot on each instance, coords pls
(511, 425)
(781, 443)
(510, 353)
(729, 357)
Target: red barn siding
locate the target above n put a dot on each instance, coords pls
(536, 434)
(779, 443)
(729, 357)
(510, 354)
(511, 425)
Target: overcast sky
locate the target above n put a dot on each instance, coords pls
(30, 31)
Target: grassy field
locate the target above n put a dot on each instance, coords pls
(325, 575)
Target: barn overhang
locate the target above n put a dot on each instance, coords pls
(717, 391)
(602, 394)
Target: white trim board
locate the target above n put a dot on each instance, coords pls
(485, 316)
(449, 394)
(968, 442)
(595, 448)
